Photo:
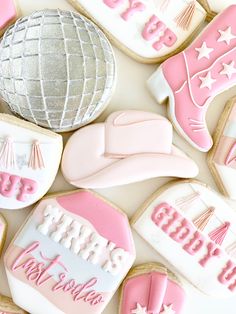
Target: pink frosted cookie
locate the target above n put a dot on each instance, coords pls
(3, 232)
(130, 146)
(9, 13)
(151, 288)
(194, 222)
(7, 306)
(214, 7)
(205, 69)
(29, 161)
(147, 30)
(70, 256)
(222, 157)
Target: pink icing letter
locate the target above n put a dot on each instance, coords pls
(8, 184)
(162, 214)
(228, 274)
(212, 251)
(113, 3)
(28, 187)
(195, 244)
(25, 252)
(183, 231)
(134, 6)
(152, 28)
(168, 39)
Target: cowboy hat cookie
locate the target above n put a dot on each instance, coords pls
(147, 30)
(57, 69)
(3, 232)
(151, 288)
(7, 306)
(29, 160)
(9, 13)
(214, 7)
(130, 146)
(190, 219)
(221, 158)
(71, 255)
(205, 69)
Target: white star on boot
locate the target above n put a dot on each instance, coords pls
(226, 35)
(229, 69)
(139, 309)
(168, 309)
(207, 81)
(204, 51)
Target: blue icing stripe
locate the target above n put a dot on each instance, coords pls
(230, 129)
(78, 268)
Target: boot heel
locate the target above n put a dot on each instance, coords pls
(158, 86)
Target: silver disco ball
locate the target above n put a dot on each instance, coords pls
(57, 69)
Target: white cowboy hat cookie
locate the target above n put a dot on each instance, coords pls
(29, 160)
(195, 223)
(147, 30)
(71, 255)
(129, 146)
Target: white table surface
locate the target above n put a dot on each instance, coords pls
(131, 93)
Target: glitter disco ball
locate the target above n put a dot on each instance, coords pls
(57, 69)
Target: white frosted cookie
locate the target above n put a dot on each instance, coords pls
(195, 223)
(29, 161)
(147, 30)
(7, 306)
(214, 7)
(3, 232)
(222, 156)
(71, 255)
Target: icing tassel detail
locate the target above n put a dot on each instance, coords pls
(183, 20)
(231, 250)
(7, 154)
(36, 158)
(186, 201)
(202, 221)
(164, 5)
(218, 235)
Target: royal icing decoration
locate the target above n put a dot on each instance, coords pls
(67, 253)
(148, 29)
(204, 251)
(151, 288)
(222, 157)
(29, 160)
(123, 159)
(206, 68)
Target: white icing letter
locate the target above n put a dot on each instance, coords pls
(51, 215)
(61, 228)
(118, 258)
(94, 248)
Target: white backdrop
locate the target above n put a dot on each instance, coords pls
(131, 93)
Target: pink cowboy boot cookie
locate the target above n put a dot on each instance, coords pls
(205, 69)
(151, 289)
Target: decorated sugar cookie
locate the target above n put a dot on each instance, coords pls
(71, 255)
(29, 161)
(3, 231)
(9, 13)
(7, 306)
(214, 7)
(147, 30)
(151, 288)
(130, 146)
(222, 157)
(205, 69)
(57, 69)
(194, 222)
